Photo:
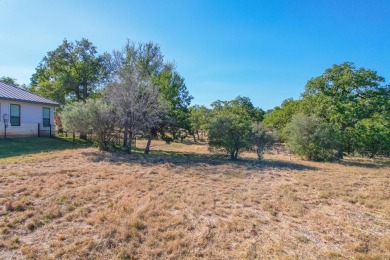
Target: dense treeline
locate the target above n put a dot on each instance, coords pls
(134, 91)
(344, 110)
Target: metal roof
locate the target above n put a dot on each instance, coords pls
(10, 92)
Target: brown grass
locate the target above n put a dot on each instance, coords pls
(87, 204)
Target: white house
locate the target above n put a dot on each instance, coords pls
(25, 112)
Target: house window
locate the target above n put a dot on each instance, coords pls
(15, 115)
(46, 116)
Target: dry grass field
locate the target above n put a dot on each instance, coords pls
(86, 204)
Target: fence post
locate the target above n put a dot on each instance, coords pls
(39, 130)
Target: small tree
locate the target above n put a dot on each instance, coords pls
(199, 118)
(93, 116)
(262, 139)
(137, 102)
(308, 136)
(229, 134)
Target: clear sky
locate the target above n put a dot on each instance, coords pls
(265, 50)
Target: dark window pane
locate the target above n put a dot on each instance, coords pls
(15, 110)
(46, 122)
(46, 112)
(46, 116)
(15, 121)
(15, 115)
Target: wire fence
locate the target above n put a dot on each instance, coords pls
(117, 137)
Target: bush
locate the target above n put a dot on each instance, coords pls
(311, 138)
(373, 137)
(229, 134)
(95, 117)
(262, 139)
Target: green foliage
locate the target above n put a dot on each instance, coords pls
(73, 71)
(310, 137)
(373, 137)
(241, 106)
(262, 138)
(148, 60)
(12, 81)
(279, 117)
(346, 100)
(229, 134)
(344, 96)
(94, 117)
(230, 127)
(199, 119)
(9, 80)
(173, 89)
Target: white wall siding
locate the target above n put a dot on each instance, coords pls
(30, 116)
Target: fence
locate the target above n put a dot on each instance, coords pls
(44, 132)
(117, 137)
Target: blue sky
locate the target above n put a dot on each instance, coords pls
(266, 50)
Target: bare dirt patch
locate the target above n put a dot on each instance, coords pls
(92, 205)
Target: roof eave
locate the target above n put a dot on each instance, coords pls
(29, 101)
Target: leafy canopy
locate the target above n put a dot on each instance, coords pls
(73, 71)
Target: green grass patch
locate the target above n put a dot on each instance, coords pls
(23, 146)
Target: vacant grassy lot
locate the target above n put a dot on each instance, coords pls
(86, 204)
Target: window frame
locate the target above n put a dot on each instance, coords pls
(43, 117)
(11, 117)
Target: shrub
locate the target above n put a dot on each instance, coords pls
(262, 139)
(229, 134)
(373, 137)
(94, 116)
(311, 138)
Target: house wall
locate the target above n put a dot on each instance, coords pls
(30, 115)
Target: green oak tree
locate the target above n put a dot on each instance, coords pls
(281, 115)
(73, 71)
(230, 127)
(343, 96)
(12, 81)
(311, 137)
(199, 119)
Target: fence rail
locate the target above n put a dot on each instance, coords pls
(44, 132)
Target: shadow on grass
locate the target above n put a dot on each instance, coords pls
(365, 164)
(32, 145)
(158, 157)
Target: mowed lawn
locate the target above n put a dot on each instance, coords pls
(86, 204)
(23, 146)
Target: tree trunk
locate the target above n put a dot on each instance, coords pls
(85, 92)
(193, 135)
(340, 153)
(197, 133)
(125, 135)
(340, 148)
(83, 136)
(147, 148)
(129, 141)
(234, 155)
